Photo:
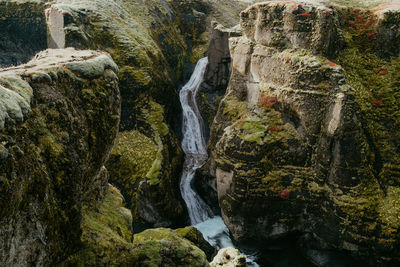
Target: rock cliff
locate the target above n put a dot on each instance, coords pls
(59, 116)
(302, 141)
(155, 44)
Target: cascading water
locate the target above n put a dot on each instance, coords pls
(193, 144)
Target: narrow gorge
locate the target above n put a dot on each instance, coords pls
(200, 133)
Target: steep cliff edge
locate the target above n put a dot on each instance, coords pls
(306, 134)
(59, 116)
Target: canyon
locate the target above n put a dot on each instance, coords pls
(154, 133)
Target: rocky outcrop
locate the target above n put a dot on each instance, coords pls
(107, 239)
(301, 136)
(59, 117)
(147, 171)
(229, 257)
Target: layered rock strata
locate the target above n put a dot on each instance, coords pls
(301, 136)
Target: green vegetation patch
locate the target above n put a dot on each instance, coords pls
(377, 88)
(136, 153)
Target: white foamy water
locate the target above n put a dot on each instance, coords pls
(213, 229)
(193, 144)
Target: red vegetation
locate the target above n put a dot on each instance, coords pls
(287, 59)
(306, 15)
(300, 5)
(273, 128)
(377, 103)
(266, 101)
(285, 194)
(362, 25)
(390, 230)
(383, 72)
(371, 35)
(330, 63)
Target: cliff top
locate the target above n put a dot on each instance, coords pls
(375, 4)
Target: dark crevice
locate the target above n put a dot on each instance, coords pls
(22, 34)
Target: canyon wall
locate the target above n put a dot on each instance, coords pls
(306, 134)
(59, 117)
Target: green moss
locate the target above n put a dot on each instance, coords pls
(263, 127)
(389, 209)
(48, 144)
(155, 118)
(107, 240)
(133, 156)
(164, 247)
(376, 84)
(234, 108)
(273, 181)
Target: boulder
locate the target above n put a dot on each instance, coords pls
(229, 257)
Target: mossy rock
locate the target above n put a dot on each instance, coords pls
(107, 239)
(147, 166)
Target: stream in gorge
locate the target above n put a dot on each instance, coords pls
(193, 144)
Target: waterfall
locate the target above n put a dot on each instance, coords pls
(193, 144)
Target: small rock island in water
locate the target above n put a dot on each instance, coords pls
(200, 133)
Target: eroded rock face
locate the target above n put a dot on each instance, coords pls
(60, 119)
(296, 141)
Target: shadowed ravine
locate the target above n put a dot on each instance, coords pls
(193, 144)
